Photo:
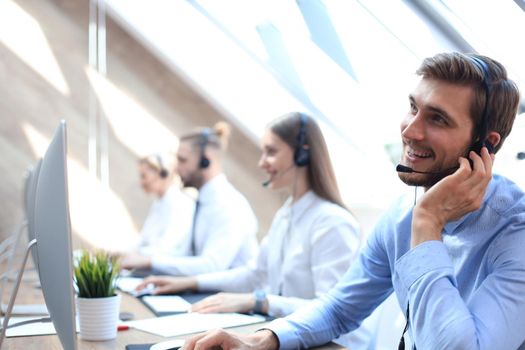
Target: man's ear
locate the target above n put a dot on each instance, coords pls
(494, 138)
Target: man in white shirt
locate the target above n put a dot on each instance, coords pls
(224, 226)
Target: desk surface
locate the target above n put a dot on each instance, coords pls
(30, 294)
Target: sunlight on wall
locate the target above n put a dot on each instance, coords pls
(98, 215)
(22, 34)
(132, 124)
(206, 57)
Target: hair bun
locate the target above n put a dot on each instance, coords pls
(223, 131)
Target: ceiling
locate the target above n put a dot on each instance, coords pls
(349, 63)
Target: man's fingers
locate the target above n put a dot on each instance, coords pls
(155, 280)
(163, 289)
(488, 159)
(211, 340)
(189, 344)
(143, 284)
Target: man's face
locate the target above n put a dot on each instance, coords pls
(188, 165)
(436, 131)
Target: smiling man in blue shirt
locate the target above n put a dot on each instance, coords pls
(456, 258)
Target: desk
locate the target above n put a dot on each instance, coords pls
(28, 294)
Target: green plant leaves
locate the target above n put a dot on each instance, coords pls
(96, 274)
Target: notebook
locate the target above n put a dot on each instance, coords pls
(166, 304)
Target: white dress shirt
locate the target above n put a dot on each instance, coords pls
(319, 245)
(224, 234)
(168, 223)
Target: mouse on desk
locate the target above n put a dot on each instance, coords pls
(148, 290)
(168, 345)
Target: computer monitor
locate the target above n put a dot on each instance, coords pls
(52, 232)
(53, 236)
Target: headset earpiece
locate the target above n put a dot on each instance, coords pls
(204, 162)
(490, 146)
(163, 173)
(301, 154)
(478, 145)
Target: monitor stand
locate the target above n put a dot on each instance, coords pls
(15, 291)
(8, 250)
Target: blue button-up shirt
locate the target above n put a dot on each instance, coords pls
(464, 292)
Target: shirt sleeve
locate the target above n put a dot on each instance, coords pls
(493, 318)
(364, 286)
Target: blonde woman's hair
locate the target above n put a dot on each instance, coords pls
(161, 162)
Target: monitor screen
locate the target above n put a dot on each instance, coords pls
(52, 230)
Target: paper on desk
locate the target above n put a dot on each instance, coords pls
(166, 303)
(37, 328)
(27, 309)
(171, 326)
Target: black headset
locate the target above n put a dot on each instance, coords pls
(484, 122)
(162, 171)
(204, 162)
(301, 155)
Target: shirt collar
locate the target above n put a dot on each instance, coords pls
(210, 188)
(453, 225)
(301, 205)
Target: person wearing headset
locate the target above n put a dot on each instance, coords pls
(224, 228)
(311, 242)
(169, 219)
(455, 256)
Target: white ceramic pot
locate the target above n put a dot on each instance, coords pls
(98, 317)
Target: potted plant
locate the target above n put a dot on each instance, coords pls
(98, 304)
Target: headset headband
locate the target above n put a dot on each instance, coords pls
(302, 153)
(484, 123)
(163, 172)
